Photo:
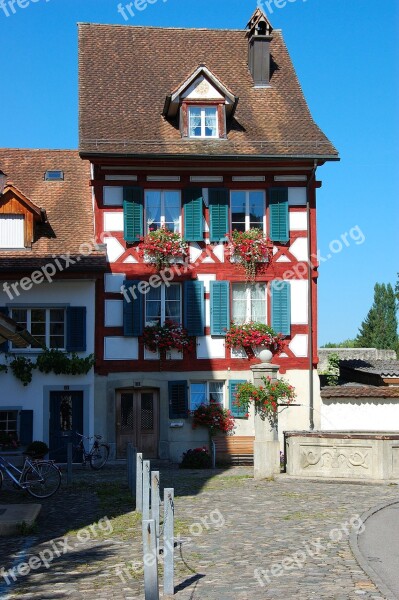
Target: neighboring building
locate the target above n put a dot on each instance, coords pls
(203, 131)
(49, 264)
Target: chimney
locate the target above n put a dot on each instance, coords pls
(259, 38)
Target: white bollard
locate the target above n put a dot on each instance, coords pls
(146, 489)
(151, 589)
(168, 541)
(139, 483)
(155, 502)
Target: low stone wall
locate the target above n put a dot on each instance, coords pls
(346, 455)
(353, 354)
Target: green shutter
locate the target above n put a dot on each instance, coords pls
(4, 345)
(220, 307)
(132, 310)
(237, 412)
(132, 214)
(281, 307)
(218, 214)
(279, 222)
(178, 400)
(193, 219)
(194, 307)
(76, 329)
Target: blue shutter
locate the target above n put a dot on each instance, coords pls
(194, 307)
(281, 307)
(25, 427)
(237, 412)
(279, 222)
(132, 310)
(220, 307)
(193, 219)
(218, 214)
(178, 400)
(76, 329)
(132, 214)
(4, 345)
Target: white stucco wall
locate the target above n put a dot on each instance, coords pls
(35, 395)
(360, 414)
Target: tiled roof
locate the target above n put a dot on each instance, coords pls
(126, 73)
(356, 391)
(68, 205)
(383, 368)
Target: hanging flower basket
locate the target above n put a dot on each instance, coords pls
(250, 249)
(166, 337)
(265, 398)
(162, 247)
(250, 335)
(214, 417)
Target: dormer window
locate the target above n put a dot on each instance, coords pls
(203, 121)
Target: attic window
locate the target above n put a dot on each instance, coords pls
(203, 121)
(54, 176)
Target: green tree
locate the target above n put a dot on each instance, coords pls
(380, 328)
(345, 344)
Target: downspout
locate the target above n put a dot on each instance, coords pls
(310, 299)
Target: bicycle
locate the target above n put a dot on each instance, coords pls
(40, 478)
(97, 455)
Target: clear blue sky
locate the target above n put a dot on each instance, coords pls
(346, 57)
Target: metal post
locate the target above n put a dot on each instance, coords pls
(213, 454)
(139, 483)
(155, 502)
(69, 463)
(151, 589)
(146, 489)
(133, 468)
(168, 541)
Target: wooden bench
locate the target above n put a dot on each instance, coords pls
(234, 449)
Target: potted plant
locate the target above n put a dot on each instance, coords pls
(254, 335)
(250, 249)
(8, 440)
(198, 458)
(215, 418)
(161, 247)
(169, 336)
(265, 398)
(37, 450)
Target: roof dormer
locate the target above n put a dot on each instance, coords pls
(18, 215)
(203, 104)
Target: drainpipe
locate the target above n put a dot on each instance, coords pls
(310, 300)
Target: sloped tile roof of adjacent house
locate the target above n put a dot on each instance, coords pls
(358, 391)
(127, 74)
(62, 208)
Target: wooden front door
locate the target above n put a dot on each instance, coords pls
(66, 418)
(137, 422)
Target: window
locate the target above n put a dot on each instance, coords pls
(248, 210)
(9, 423)
(163, 304)
(47, 325)
(12, 231)
(54, 176)
(203, 121)
(249, 303)
(203, 391)
(162, 208)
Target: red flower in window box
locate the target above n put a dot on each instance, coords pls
(250, 249)
(161, 246)
(167, 337)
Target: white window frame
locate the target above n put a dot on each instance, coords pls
(7, 420)
(248, 290)
(21, 234)
(163, 218)
(247, 214)
(29, 322)
(203, 116)
(207, 392)
(163, 305)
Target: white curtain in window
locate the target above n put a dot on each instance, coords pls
(258, 303)
(195, 121)
(239, 303)
(210, 119)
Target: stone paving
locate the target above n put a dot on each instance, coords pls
(243, 540)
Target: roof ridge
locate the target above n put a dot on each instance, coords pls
(127, 26)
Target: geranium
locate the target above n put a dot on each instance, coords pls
(161, 246)
(214, 417)
(266, 398)
(254, 334)
(250, 248)
(166, 337)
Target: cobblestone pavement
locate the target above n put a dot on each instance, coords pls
(237, 534)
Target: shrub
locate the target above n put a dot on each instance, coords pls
(199, 458)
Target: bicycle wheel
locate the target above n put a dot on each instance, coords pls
(99, 456)
(43, 479)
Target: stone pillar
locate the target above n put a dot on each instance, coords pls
(266, 444)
